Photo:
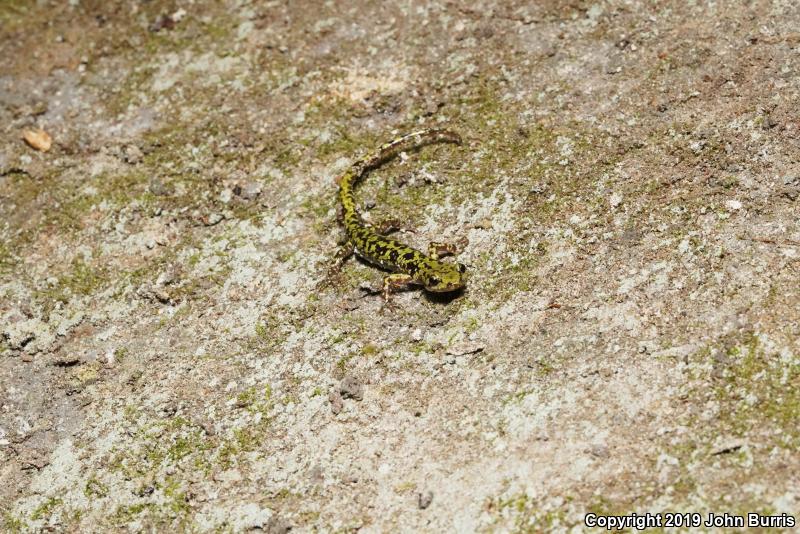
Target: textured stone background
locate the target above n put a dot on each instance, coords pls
(176, 355)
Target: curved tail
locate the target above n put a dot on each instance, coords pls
(387, 151)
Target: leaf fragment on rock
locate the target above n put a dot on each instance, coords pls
(38, 139)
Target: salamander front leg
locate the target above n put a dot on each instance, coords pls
(438, 250)
(393, 282)
(389, 226)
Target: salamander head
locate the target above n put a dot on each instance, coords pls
(441, 277)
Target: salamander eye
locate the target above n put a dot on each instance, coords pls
(435, 281)
(462, 268)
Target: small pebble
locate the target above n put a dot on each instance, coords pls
(424, 499)
(277, 525)
(158, 188)
(599, 451)
(733, 205)
(351, 388)
(212, 219)
(337, 405)
(248, 190)
(163, 22)
(132, 154)
(167, 277)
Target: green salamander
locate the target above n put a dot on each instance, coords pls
(409, 266)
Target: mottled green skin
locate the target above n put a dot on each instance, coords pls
(414, 266)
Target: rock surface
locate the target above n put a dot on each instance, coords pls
(177, 355)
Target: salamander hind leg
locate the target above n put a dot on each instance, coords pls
(335, 266)
(345, 251)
